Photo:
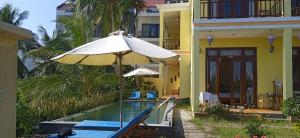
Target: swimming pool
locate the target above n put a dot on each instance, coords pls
(111, 112)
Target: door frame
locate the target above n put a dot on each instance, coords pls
(243, 59)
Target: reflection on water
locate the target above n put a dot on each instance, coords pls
(130, 110)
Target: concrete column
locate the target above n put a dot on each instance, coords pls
(166, 80)
(287, 64)
(161, 28)
(196, 9)
(287, 8)
(195, 70)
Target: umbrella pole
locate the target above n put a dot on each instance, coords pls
(120, 86)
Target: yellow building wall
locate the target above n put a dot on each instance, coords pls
(8, 76)
(269, 65)
(172, 84)
(157, 83)
(181, 71)
(185, 45)
(185, 79)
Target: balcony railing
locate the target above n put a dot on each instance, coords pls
(240, 8)
(176, 1)
(171, 44)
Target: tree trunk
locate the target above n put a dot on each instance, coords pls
(112, 16)
(290, 119)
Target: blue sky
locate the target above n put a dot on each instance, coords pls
(41, 12)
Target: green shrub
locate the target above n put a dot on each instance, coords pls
(219, 110)
(25, 120)
(290, 108)
(254, 128)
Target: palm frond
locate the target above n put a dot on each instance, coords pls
(22, 16)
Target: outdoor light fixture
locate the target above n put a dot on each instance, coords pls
(271, 39)
(210, 38)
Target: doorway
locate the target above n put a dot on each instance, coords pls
(231, 74)
(296, 73)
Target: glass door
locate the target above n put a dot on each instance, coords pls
(231, 74)
(296, 69)
(225, 80)
(249, 82)
(236, 83)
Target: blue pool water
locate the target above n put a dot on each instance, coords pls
(130, 110)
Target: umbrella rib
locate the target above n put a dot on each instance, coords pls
(81, 59)
(127, 52)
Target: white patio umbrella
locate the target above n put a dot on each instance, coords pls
(142, 71)
(116, 48)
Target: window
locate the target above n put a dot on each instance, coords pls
(230, 52)
(150, 30)
(152, 10)
(295, 3)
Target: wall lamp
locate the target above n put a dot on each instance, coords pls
(271, 39)
(210, 38)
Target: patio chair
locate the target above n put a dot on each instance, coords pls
(135, 95)
(151, 95)
(125, 131)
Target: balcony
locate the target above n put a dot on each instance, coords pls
(171, 44)
(211, 9)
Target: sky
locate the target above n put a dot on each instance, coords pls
(41, 12)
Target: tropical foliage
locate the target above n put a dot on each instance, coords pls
(12, 15)
(112, 15)
(290, 107)
(55, 90)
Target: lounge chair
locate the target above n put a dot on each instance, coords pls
(151, 95)
(125, 131)
(135, 95)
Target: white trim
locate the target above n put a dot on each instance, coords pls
(242, 20)
(247, 27)
(173, 6)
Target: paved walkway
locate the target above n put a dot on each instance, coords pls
(184, 128)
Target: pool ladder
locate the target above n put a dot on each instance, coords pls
(169, 110)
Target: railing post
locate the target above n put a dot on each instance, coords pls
(157, 117)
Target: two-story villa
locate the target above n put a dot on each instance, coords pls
(238, 49)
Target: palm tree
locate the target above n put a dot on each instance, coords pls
(59, 80)
(110, 14)
(12, 15)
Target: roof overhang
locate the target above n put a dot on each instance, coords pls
(247, 23)
(13, 32)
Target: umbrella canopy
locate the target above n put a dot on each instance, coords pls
(116, 49)
(103, 52)
(142, 71)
